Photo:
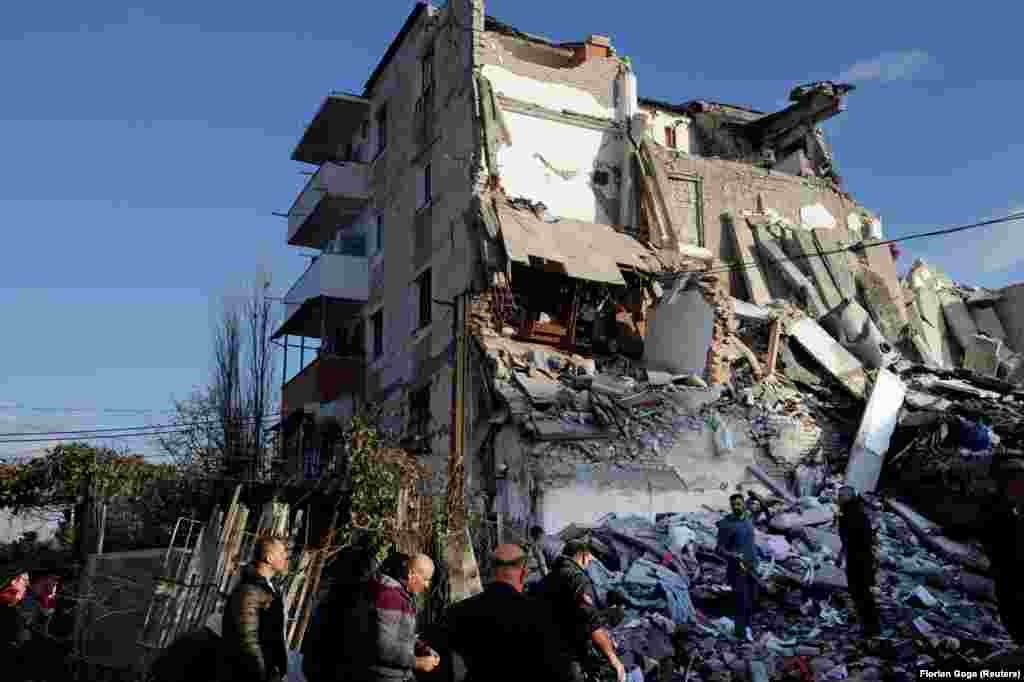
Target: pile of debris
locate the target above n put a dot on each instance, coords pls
(668, 602)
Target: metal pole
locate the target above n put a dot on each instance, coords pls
(284, 373)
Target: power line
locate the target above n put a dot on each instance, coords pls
(11, 406)
(746, 265)
(201, 422)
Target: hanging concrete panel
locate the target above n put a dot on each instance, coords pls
(876, 428)
(838, 361)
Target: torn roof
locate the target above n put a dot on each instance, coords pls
(589, 251)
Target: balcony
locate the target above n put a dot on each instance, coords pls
(334, 287)
(324, 380)
(336, 122)
(333, 198)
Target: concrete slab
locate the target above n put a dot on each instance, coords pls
(838, 361)
(876, 427)
(744, 243)
(930, 535)
(838, 260)
(882, 264)
(888, 311)
(1010, 310)
(934, 329)
(958, 317)
(798, 283)
(804, 251)
(749, 311)
(541, 391)
(802, 519)
(851, 325)
(982, 355)
(988, 321)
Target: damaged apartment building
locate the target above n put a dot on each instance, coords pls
(521, 256)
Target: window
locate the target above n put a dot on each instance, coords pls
(670, 137)
(382, 128)
(425, 286)
(379, 234)
(419, 412)
(377, 324)
(425, 191)
(427, 72)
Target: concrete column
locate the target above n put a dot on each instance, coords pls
(627, 108)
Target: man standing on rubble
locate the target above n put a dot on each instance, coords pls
(570, 593)
(252, 633)
(1004, 545)
(858, 550)
(736, 543)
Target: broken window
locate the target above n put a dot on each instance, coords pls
(601, 178)
(670, 137)
(377, 325)
(382, 128)
(424, 285)
(419, 412)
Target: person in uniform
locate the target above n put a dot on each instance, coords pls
(736, 543)
(858, 550)
(570, 594)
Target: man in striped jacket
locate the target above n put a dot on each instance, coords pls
(398, 650)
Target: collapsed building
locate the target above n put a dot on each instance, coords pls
(607, 303)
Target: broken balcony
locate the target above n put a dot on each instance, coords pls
(329, 136)
(333, 198)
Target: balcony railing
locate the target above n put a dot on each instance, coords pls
(330, 274)
(324, 380)
(336, 193)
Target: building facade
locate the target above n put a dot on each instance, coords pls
(489, 178)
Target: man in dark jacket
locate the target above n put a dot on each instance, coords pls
(736, 543)
(1004, 545)
(252, 634)
(569, 592)
(501, 633)
(858, 550)
(14, 632)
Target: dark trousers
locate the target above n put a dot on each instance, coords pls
(860, 582)
(1011, 607)
(744, 591)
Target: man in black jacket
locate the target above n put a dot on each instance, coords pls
(1004, 544)
(14, 631)
(503, 634)
(858, 549)
(252, 635)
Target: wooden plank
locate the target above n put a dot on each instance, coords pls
(775, 336)
(749, 265)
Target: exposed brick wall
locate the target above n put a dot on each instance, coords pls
(594, 76)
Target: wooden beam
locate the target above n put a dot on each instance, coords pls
(775, 336)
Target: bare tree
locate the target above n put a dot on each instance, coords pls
(224, 423)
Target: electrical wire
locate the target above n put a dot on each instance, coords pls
(201, 422)
(746, 265)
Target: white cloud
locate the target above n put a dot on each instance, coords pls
(888, 66)
(973, 256)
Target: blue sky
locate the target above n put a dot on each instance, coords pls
(146, 147)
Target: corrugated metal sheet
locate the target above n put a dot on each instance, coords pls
(586, 250)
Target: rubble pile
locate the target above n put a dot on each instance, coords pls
(668, 599)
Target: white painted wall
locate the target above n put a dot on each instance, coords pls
(554, 96)
(554, 162)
